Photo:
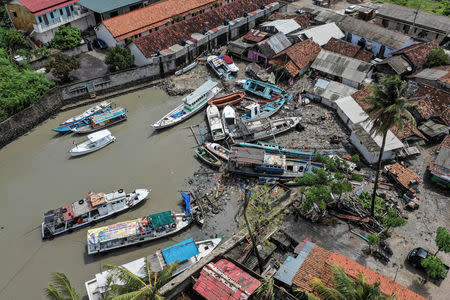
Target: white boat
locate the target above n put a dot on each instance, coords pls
(187, 252)
(91, 111)
(230, 63)
(96, 141)
(215, 123)
(219, 66)
(218, 150)
(191, 104)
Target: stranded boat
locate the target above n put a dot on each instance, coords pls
(103, 120)
(191, 104)
(218, 150)
(219, 66)
(230, 99)
(256, 111)
(187, 253)
(215, 123)
(230, 63)
(207, 157)
(96, 141)
(262, 89)
(94, 208)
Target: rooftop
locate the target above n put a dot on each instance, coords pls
(301, 19)
(38, 7)
(418, 53)
(247, 155)
(403, 175)
(323, 33)
(285, 26)
(330, 90)
(372, 141)
(434, 102)
(255, 36)
(351, 109)
(274, 45)
(101, 6)
(348, 49)
(441, 165)
(433, 129)
(398, 63)
(440, 74)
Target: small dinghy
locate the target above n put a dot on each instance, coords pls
(95, 142)
(219, 66)
(257, 111)
(230, 99)
(218, 150)
(215, 123)
(103, 120)
(186, 69)
(207, 157)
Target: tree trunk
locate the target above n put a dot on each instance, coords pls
(255, 248)
(375, 185)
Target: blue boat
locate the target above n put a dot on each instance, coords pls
(103, 120)
(257, 112)
(262, 89)
(282, 149)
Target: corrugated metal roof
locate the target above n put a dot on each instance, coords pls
(274, 45)
(285, 26)
(204, 88)
(323, 33)
(101, 6)
(351, 109)
(373, 141)
(431, 74)
(397, 63)
(291, 265)
(180, 252)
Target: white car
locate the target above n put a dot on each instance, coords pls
(351, 9)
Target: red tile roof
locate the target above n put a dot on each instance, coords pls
(418, 53)
(434, 102)
(225, 281)
(255, 36)
(38, 7)
(152, 16)
(173, 34)
(301, 19)
(348, 49)
(403, 175)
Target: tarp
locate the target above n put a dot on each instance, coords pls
(161, 219)
(180, 251)
(187, 201)
(115, 231)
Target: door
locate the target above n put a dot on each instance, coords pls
(68, 11)
(46, 20)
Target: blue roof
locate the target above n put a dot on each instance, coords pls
(101, 6)
(291, 265)
(180, 251)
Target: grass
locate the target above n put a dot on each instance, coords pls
(432, 6)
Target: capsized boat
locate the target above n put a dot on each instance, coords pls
(76, 121)
(219, 66)
(191, 104)
(96, 141)
(207, 157)
(218, 150)
(215, 123)
(187, 253)
(256, 111)
(230, 99)
(93, 208)
(103, 120)
(262, 89)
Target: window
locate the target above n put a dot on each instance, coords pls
(71, 8)
(61, 12)
(14, 13)
(40, 19)
(51, 15)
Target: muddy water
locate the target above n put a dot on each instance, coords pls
(36, 175)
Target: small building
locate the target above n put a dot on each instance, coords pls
(439, 77)
(394, 65)
(434, 131)
(366, 11)
(320, 34)
(239, 48)
(285, 26)
(327, 91)
(348, 49)
(434, 103)
(440, 167)
(266, 49)
(349, 71)
(349, 111)
(301, 19)
(105, 9)
(416, 23)
(404, 178)
(41, 19)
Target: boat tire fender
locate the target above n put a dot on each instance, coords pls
(120, 191)
(64, 210)
(174, 225)
(81, 201)
(184, 219)
(215, 210)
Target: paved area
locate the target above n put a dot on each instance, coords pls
(92, 65)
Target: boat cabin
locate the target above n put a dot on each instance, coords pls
(197, 97)
(105, 118)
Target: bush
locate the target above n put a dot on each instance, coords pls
(357, 177)
(61, 65)
(356, 159)
(437, 57)
(119, 57)
(434, 267)
(41, 52)
(67, 37)
(11, 38)
(366, 201)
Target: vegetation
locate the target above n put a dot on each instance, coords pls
(120, 57)
(437, 57)
(265, 290)
(442, 240)
(434, 267)
(4, 18)
(365, 200)
(388, 107)
(438, 7)
(67, 37)
(374, 240)
(41, 52)
(60, 289)
(356, 159)
(61, 65)
(357, 177)
(392, 219)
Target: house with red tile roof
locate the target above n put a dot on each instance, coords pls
(438, 77)
(405, 178)
(348, 49)
(434, 103)
(42, 18)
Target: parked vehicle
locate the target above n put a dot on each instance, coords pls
(96, 141)
(103, 120)
(100, 44)
(215, 123)
(416, 256)
(230, 99)
(351, 9)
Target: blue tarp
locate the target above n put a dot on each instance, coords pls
(187, 201)
(180, 251)
(178, 114)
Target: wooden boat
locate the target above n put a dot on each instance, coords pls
(215, 123)
(186, 69)
(207, 157)
(257, 111)
(218, 150)
(94, 208)
(103, 120)
(262, 89)
(191, 104)
(230, 99)
(96, 141)
(187, 252)
(268, 101)
(219, 66)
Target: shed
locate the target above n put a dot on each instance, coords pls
(433, 130)
(285, 26)
(349, 111)
(321, 34)
(328, 91)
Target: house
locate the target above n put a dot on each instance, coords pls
(105, 9)
(320, 34)
(41, 19)
(366, 11)
(224, 280)
(327, 91)
(405, 178)
(314, 261)
(349, 111)
(439, 77)
(348, 49)
(440, 167)
(434, 103)
(296, 59)
(266, 49)
(341, 68)
(320, 15)
(300, 19)
(433, 130)
(416, 23)
(285, 26)
(394, 65)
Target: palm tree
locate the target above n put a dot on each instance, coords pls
(135, 287)
(265, 290)
(60, 289)
(344, 288)
(388, 108)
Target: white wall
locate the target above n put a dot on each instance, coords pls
(139, 58)
(103, 33)
(370, 157)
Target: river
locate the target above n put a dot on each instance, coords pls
(37, 175)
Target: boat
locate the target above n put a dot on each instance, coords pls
(230, 99)
(256, 111)
(92, 209)
(262, 89)
(96, 141)
(187, 253)
(191, 104)
(218, 150)
(219, 66)
(289, 152)
(103, 120)
(76, 121)
(215, 123)
(230, 63)
(258, 163)
(186, 69)
(207, 157)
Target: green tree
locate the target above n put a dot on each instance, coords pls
(442, 240)
(356, 159)
(319, 194)
(67, 37)
(120, 57)
(61, 65)
(392, 219)
(265, 290)
(434, 267)
(341, 187)
(388, 107)
(437, 57)
(374, 241)
(14, 39)
(60, 289)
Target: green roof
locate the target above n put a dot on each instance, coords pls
(161, 219)
(101, 6)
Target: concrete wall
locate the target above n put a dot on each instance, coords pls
(370, 157)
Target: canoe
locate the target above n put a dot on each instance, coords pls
(207, 157)
(186, 69)
(230, 99)
(103, 120)
(218, 150)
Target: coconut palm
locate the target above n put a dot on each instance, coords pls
(60, 289)
(388, 108)
(345, 288)
(135, 287)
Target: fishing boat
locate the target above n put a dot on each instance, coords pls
(191, 104)
(258, 163)
(215, 123)
(289, 152)
(103, 120)
(186, 69)
(93, 208)
(219, 66)
(230, 99)
(76, 121)
(256, 111)
(262, 89)
(207, 157)
(187, 253)
(96, 141)
(218, 150)
(230, 63)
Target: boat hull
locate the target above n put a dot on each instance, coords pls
(207, 157)
(262, 89)
(269, 109)
(218, 150)
(231, 99)
(89, 129)
(82, 149)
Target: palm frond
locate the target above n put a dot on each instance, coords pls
(127, 278)
(265, 290)
(130, 296)
(342, 283)
(325, 292)
(62, 285)
(52, 293)
(165, 275)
